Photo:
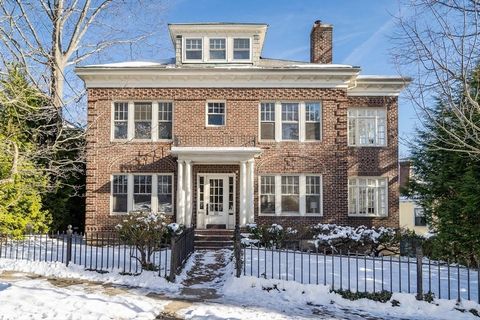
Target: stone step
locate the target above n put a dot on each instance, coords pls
(213, 237)
(213, 244)
(224, 232)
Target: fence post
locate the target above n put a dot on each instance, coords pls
(173, 258)
(69, 244)
(419, 253)
(237, 251)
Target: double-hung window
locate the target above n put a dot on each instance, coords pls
(193, 49)
(218, 49)
(312, 121)
(267, 121)
(165, 115)
(120, 193)
(367, 127)
(143, 120)
(165, 194)
(312, 194)
(420, 220)
(267, 194)
(289, 121)
(216, 114)
(367, 196)
(142, 192)
(120, 119)
(290, 194)
(241, 48)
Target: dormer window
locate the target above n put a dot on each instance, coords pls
(193, 49)
(218, 49)
(241, 49)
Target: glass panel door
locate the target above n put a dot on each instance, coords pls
(216, 197)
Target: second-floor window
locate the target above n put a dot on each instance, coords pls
(367, 127)
(218, 49)
(143, 120)
(291, 121)
(193, 49)
(165, 111)
(267, 121)
(215, 114)
(120, 119)
(241, 49)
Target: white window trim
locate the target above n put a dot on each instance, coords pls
(224, 114)
(375, 145)
(131, 121)
(278, 195)
(369, 215)
(278, 121)
(226, 50)
(232, 48)
(206, 49)
(154, 197)
(184, 50)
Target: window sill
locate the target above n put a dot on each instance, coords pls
(141, 141)
(291, 215)
(367, 146)
(367, 216)
(118, 213)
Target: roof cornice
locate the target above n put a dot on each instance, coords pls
(331, 77)
(377, 86)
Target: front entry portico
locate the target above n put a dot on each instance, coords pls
(215, 195)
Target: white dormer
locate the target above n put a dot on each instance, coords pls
(217, 43)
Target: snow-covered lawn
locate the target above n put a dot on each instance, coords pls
(106, 256)
(361, 274)
(239, 298)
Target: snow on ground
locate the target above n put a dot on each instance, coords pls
(293, 298)
(363, 274)
(38, 299)
(147, 279)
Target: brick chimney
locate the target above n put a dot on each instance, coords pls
(321, 48)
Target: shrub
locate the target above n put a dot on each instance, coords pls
(147, 231)
(270, 236)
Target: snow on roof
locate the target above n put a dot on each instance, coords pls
(134, 64)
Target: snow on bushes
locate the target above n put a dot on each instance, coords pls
(328, 237)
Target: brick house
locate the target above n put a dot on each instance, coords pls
(219, 135)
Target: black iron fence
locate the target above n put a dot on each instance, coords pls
(360, 273)
(100, 251)
(182, 247)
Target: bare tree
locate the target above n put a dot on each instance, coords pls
(48, 37)
(437, 43)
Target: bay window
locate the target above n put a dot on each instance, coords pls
(367, 127)
(367, 196)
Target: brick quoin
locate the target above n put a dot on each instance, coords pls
(330, 157)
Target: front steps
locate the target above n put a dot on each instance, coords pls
(213, 239)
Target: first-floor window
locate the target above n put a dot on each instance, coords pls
(420, 220)
(299, 194)
(120, 193)
(165, 195)
(367, 196)
(290, 194)
(312, 194)
(267, 194)
(142, 193)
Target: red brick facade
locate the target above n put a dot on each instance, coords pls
(330, 157)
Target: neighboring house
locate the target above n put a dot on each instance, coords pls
(411, 214)
(219, 135)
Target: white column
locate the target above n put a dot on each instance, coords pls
(188, 193)
(243, 193)
(250, 191)
(180, 199)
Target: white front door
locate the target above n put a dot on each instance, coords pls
(216, 195)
